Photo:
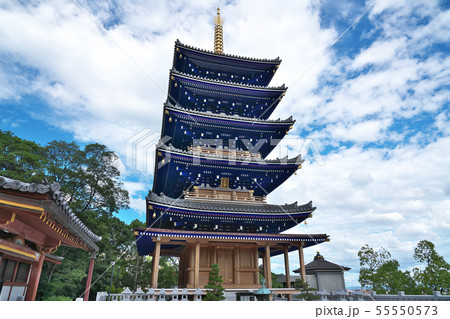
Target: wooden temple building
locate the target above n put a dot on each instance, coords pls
(208, 202)
(34, 221)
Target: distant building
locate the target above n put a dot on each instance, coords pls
(323, 275)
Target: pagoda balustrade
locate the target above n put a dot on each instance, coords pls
(227, 195)
(225, 152)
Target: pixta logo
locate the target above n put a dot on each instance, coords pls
(141, 150)
(293, 146)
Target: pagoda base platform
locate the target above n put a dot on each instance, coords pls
(237, 254)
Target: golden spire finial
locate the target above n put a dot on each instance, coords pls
(218, 33)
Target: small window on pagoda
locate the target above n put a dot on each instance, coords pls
(224, 182)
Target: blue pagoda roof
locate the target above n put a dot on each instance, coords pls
(184, 126)
(257, 210)
(177, 170)
(146, 237)
(204, 94)
(297, 160)
(195, 61)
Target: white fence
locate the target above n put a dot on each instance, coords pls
(360, 296)
(152, 295)
(197, 295)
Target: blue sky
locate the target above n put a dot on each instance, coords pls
(372, 111)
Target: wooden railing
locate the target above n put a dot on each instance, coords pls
(223, 152)
(224, 195)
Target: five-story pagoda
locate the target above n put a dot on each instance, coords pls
(208, 203)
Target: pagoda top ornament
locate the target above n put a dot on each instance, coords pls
(218, 33)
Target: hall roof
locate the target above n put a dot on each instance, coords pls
(57, 212)
(320, 264)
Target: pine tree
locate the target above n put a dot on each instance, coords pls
(215, 289)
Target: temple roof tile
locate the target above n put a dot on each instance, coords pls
(289, 120)
(228, 83)
(55, 194)
(277, 60)
(260, 208)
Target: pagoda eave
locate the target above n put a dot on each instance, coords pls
(195, 157)
(179, 172)
(174, 74)
(276, 61)
(173, 240)
(166, 212)
(234, 119)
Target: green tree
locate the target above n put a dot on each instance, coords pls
(381, 273)
(21, 159)
(168, 273)
(389, 278)
(305, 290)
(436, 275)
(214, 286)
(275, 283)
(370, 260)
(90, 181)
(89, 177)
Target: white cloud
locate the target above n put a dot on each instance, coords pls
(378, 53)
(386, 198)
(386, 218)
(360, 178)
(366, 131)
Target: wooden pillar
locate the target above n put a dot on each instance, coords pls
(302, 262)
(89, 277)
(287, 271)
(286, 267)
(197, 266)
(33, 283)
(181, 269)
(256, 266)
(264, 264)
(237, 264)
(190, 269)
(155, 265)
(268, 269)
(214, 254)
